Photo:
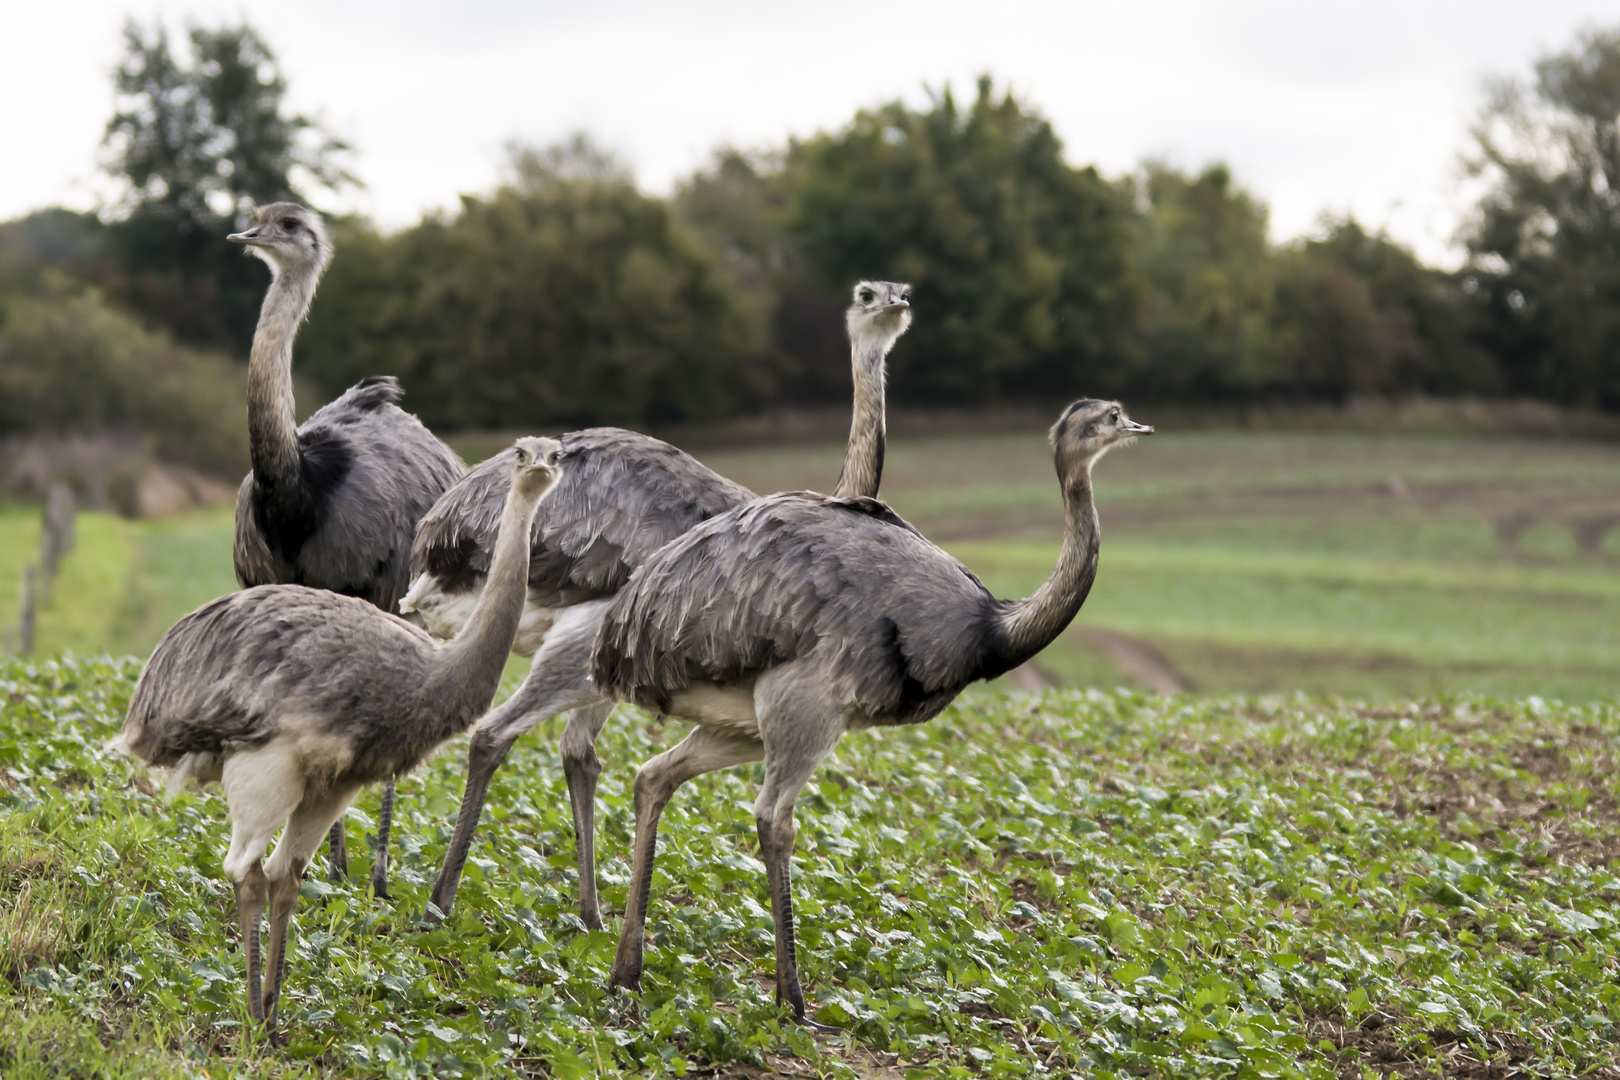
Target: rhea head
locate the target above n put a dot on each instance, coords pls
(536, 467)
(287, 236)
(879, 312)
(1087, 430)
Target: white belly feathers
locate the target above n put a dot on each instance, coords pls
(726, 710)
(445, 613)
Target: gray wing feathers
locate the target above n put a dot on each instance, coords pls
(227, 674)
(622, 496)
(255, 563)
(788, 575)
(363, 526)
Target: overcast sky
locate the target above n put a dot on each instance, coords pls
(1358, 107)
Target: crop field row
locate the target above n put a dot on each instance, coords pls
(1336, 564)
(126, 581)
(1107, 883)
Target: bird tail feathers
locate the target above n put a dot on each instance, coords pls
(196, 768)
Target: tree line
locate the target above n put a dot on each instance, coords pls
(567, 295)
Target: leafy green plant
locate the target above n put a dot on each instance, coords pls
(70, 363)
(1075, 882)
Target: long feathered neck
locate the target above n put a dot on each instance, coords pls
(467, 671)
(863, 456)
(272, 423)
(1024, 627)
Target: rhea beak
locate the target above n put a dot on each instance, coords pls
(251, 237)
(1132, 427)
(899, 302)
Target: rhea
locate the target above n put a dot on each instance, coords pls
(333, 504)
(622, 498)
(294, 698)
(837, 615)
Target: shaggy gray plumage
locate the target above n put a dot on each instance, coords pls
(219, 682)
(294, 698)
(333, 504)
(624, 496)
(911, 625)
(780, 625)
(389, 471)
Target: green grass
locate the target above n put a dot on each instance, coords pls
(1502, 629)
(1334, 563)
(125, 583)
(1077, 882)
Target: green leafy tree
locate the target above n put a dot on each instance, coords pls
(1020, 262)
(565, 297)
(196, 140)
(1202, 253)
(1359, 314)
(737, 207)
(1545, 242)
(71, 363)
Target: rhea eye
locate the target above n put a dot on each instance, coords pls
(1114, 416)
(290, 224)
(866, 296)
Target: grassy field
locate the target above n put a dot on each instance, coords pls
(1087, 881)
(1107, 883)
(1337, 563)
(126, 581)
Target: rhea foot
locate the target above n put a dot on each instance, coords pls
(801, 1016)
(817, 1028)
(385, 819)
(625, 977)
(337, 866)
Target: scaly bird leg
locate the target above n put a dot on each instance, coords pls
(484, 756)
(283, 898)
(700, 752)
(385, 822)
(285, 870)
(250, 897)
(338, 855)
(798, 736)
(776, 848)
(556, 682)
(580, 769)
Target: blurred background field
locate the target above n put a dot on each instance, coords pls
(1383, 471)
(1341, 563)
(1311, 835)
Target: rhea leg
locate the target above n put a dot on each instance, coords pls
(491, 741)
(700, 752)
(580, 769)
(798, 733)
(285, 870)
(251, 890)
(337, 866)
(262, 788)
(385, 821)
(556, 682)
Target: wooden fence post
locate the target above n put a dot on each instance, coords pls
(26, 611)
(57, 537)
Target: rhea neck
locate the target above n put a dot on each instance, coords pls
(1024, 627)
(863, 455)
(467, 670)
(272, 423)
